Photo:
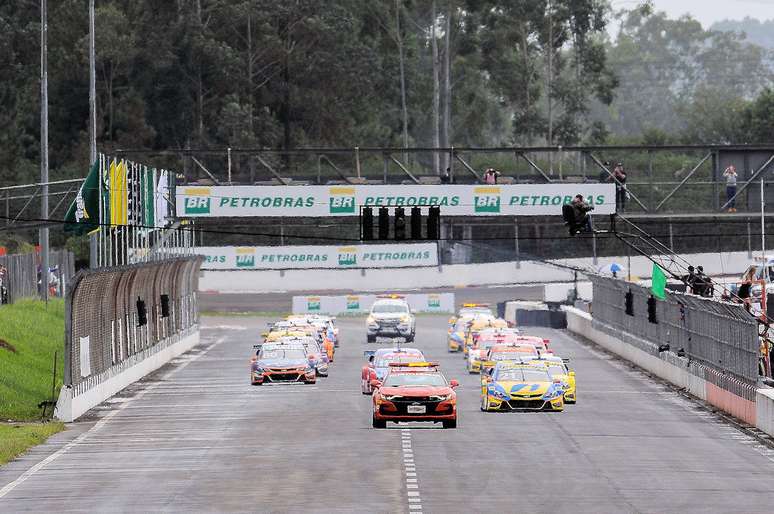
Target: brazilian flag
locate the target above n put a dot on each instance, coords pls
(83, 215)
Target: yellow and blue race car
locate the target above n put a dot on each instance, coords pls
(511, 386)
(557, 368)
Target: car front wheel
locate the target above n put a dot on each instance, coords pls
(380, 423)
(452, 423)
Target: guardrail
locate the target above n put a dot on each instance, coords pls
(122, 323)
(719, 335)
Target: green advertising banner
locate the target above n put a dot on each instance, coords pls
(319, 201)
(319, 257)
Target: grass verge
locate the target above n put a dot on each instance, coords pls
(16, 439)
(30, 332)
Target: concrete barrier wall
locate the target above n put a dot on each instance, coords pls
(691, 376)
(75, 401)
(454, 275)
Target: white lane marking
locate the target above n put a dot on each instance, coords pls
(412, 493)
(97, 426)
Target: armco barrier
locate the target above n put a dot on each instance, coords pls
(106, 346)
(724, 391)
(359, 304)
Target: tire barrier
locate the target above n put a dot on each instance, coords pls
(122, 323)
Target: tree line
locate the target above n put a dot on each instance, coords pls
(299, 73)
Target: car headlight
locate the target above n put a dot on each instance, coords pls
(440, 397)
(392, 397)
(552, 393)
(498, 393)
(405, 319)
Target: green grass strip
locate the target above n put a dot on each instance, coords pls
(15, 439)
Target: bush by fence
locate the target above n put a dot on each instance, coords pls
(720, 335)
(115, 315)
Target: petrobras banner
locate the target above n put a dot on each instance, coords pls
(361, 303)
(318, 201)
(319, 257)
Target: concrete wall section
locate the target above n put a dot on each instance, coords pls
(764, 410)
(454, 275)
(76, 401)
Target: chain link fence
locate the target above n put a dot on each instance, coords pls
(116, 317)
(19, 274)
(720, 336)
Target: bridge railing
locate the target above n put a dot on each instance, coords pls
(719, 335)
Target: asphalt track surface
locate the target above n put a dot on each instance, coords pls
(196, 437)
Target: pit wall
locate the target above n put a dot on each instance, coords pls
(744, 402)
(453, 275)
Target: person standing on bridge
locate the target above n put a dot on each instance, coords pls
(620, 186)
(730, 175)
(490, 177)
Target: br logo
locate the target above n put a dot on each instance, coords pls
(348, 256)
(313, 303)
(245, 258)
(433, 301)
(486, 199)
(197, 201)
(341, 200)
(353, 303)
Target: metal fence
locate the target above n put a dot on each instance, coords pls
(21, 273)
(104, 333)
(720, 335)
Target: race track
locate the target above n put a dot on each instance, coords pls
(196, 437)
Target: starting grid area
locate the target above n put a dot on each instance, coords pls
(361, 303)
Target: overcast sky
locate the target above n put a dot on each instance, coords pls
(710, 11)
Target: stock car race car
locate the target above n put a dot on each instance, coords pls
(296, 329)
(326, 325)
(470, 310)
(540, 343)
(512, 386)
(460, 332)
(508, 352)
(280, 362)
(557, 368)
(379, 362)
(313, 352)
(390, 316)
(476, 326)
(415, 391)
(487, 339)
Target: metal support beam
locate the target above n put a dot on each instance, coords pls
(535, 166)
(516, 241)
(198, 163)
(61, 201)
(682, 182)
(467, 167)
(402, 167)
(27, 204)
(754, 176)
(335, 168)
(271, 170)
(617, 182)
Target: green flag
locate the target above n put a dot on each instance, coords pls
(148, 188)
(83, 215)
(658, 282)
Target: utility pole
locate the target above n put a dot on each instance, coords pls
(92, 88)
(43, 232)
(549, 78)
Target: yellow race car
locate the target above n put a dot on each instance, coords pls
(457, 333)
(511, 386)
(558, 369)
(478, 324)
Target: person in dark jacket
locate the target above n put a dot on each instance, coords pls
(581, 209)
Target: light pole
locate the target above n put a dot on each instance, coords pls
(43, 232)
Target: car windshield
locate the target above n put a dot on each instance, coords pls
(508, 356)
(523, 375)
(414, 379)
(385, 360)
(488, 343)
(389, 308)
(282, 353)
(556, 369)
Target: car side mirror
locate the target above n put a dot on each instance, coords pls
(454, 384)
(376, 384)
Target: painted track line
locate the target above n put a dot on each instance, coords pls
(98, 425)
(410, 471)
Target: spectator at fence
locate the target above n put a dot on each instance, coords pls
(731, 175)
(702, 285)
(689, 280)
(446, 177)
(490, 177)
(581, 209)
(620, 187)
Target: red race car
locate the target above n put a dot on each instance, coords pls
(414, 391)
